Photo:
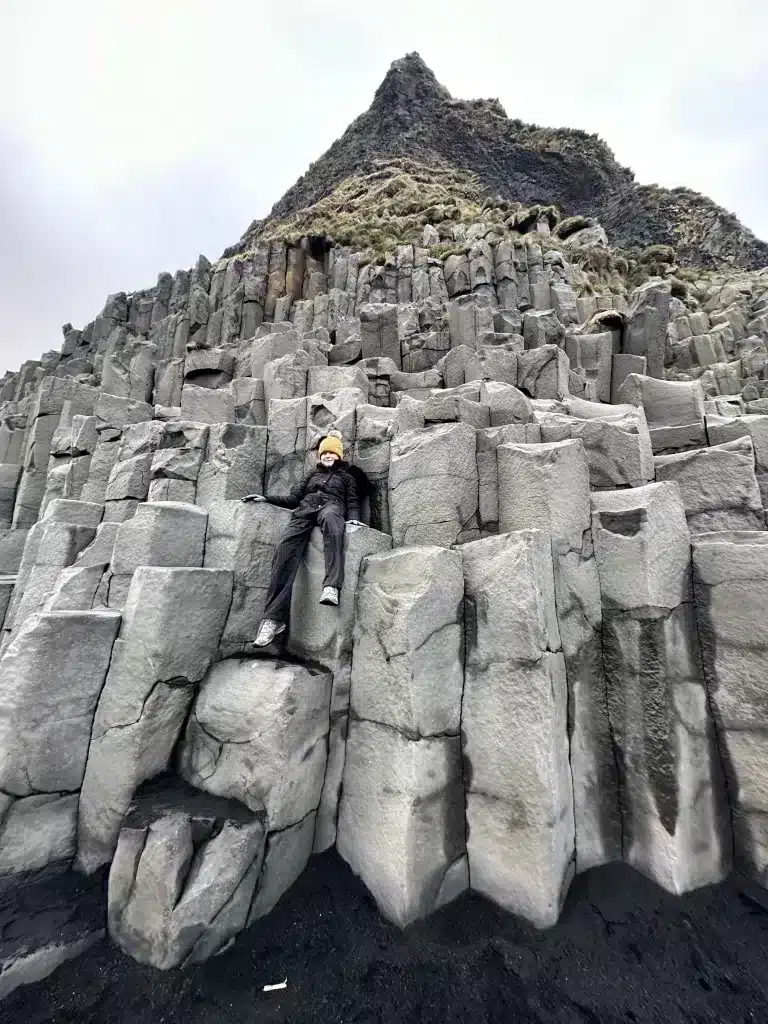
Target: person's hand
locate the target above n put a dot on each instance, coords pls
(354, 522)
(253, 497)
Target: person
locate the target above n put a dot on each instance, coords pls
(328, 497)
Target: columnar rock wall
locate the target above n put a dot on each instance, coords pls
(523, 680)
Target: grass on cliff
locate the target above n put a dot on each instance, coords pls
(374, 213)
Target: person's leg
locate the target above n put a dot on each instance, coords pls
(331, 521)
(285, 565)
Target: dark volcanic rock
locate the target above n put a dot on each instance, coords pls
(413, 116)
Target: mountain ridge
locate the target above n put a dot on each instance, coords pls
(413, 116)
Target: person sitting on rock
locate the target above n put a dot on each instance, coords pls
(328, 497)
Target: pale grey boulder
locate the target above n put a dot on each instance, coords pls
(331, 378)
(171, 627)
(285, 858)
(448, 407)
(618, 446)
(207, 405)
(676, 827)
(546, 487)
(519, 794)
(730, 572)
(593, 354)
(674, 410)
(234, 463)
(183, 876)
(373, 435)
(542, 326)
(645, 330)
(164, 533)
(401, 819)
(407, 664)
(507, 404)
(718, 486)
(642, 546)
(76, 588)
(286, 447)
(258, 733)
(51, 546)
(379, 334)
(544, 372)
(433, 485)
(488, 440)
(50, 679)
(469, 317)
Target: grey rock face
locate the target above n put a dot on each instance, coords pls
(401, 819)
(674, 411)
(324, 635)
(674, 813)
(171, 627)
(546, 487)
(717, 485)
(514, 728)
(51, 676)
(407, 666)
(645, 333)
(731, 587)
(242, 538)
(433, 485)
(183, 876)
(258, 734)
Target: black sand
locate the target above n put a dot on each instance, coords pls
(622, 951)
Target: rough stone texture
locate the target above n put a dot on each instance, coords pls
(407, 664)
(718, 486)
(401, 819)
(171, 627)
(520, 826)
(51, 676)
(546, 487)
(167, 533)
(373, 435)
(286, 447)
(258, 733)
(674, 411)
(183, 877)
(645, 331)
(242, 537)
(234, 463)
(676, 827)
(618, 445)
(730, 572)
(543, 372)
(433, 494)
(324, 635)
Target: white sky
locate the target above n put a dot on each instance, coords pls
(135, 134)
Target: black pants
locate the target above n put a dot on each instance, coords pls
(329, 516)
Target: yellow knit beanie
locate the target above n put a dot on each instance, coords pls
(332, 443)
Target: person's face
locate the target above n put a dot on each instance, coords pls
(327, 459)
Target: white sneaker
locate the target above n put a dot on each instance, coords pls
(330, 595)
(269, 631)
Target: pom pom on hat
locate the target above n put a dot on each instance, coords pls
(332, 442)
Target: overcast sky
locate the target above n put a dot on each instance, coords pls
(135, 134)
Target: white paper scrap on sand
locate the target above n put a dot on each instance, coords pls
(274, 988)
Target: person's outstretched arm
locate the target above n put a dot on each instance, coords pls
(292, 501)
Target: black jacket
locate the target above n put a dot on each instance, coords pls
(340, 483)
